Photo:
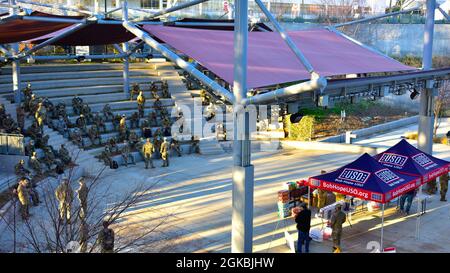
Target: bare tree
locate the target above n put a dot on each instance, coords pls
(441, 104)
(48, 233)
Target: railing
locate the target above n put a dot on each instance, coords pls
(11, 144)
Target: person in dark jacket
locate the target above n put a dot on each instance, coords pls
(407, 197)
(303, 220)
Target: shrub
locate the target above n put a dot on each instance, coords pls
(303, 130)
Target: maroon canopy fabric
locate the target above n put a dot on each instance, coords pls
(18, 30)
(270, 61)
(95, 34)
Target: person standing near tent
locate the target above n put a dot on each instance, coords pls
(303, 220)
(409, 196)
(337, 220)
(322, 195)
(443, 181)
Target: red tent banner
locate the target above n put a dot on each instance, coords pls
(405, 158)
(366, 179)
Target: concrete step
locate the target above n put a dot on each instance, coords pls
(37, 77)
(50, 84)
(123, 105)
(57, 68)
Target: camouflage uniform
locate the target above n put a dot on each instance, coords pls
(126, 154)
(20, 112)
(77, 138)
(98, 120)
(94, 134)
(194, 148)
(174, 145)
(165, 90)
(123, 128)
(81, 123)
(135, 90)
(134, 120)
(443, 181)
(116, 122)
(133, 139)
(337, 220)
(107, 113)
(64, 194)
(106, 155)
(77, 103)
(64, 155)
(20, 169)
(24, 199)
(34, 164)
(164, 151)
(141, 104)
(82, 194)
(147, 152)
(49, 158)
(41, 115)
(86, 111)
(153, 119)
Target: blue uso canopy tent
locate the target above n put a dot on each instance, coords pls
(407, 159)
(367, 179)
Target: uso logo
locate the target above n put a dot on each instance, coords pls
(354, 175)
(422, 160)
(394, 159)
(387, 176)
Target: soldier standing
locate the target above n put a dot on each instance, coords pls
(443, 181)
(24, 199)
(165, 146)
(64, 194)
(20, 169)
(141, 104)
(147, 151)
(337, 220)
(27, 92)
(82, 194)
(106, 238)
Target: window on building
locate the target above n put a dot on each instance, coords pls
(150, 4)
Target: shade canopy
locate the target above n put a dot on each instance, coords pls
(94, 34)
(407, 159)
(18, 30)
(270, 61)
(367, 179)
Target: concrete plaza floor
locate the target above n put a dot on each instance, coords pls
(196, 192)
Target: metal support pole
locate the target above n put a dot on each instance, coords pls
(426, 113)
(126, 59)
(382, 229)
(243, 171)
(445, 14)
(426, 120)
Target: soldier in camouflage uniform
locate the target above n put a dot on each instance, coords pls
(61, 110)
(20, 112)
(174, 145)
(165, 90)
(195, 147)
(77, 138)
(116, 121)
(164, 151)
(157, 144)
(125, 152)
(77, 104)
(81, 123)
(133, 140)
(123, 128)
(98, 120)
(147, 152)
(86, 111)
(33, 131)
(443, 181)
(106, 155)
(134, 120)
(135, 90)
(153, 119)
(27, 92)
(49, 158)
(23, 195)
(35, 164)
(34, 103)
(41, 115)
(157, 105)
(113, 145)
(82, 194)
(20, 169)
(94, 135)
(141, 104)
(9, 124)
(107, 112)
(144, 124)
(64, 155)
(61, 126)
(64, 194)
(154, 91)
(29, 148)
